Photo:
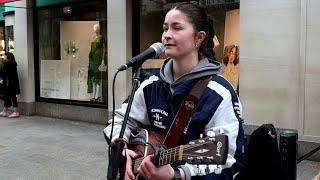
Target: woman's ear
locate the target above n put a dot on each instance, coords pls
(201, 35)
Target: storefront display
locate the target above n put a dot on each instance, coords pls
(72, 46)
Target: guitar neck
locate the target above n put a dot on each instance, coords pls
(164, 157)
(208, 150)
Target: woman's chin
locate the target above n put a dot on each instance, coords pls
(170, 53)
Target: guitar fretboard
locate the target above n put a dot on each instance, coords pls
(202, 151)
(165, 157)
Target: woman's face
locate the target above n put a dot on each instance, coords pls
(232, 55)
(178, 35)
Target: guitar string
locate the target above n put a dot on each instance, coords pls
(166, 161)
(167, 153)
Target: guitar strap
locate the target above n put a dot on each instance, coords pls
(184, 114)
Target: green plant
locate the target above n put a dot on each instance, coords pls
(71, 48)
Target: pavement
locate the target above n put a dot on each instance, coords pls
(42, 148)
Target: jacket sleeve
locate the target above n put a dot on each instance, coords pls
(138, 115)
(226, 120)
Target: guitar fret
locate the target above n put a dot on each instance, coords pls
(166, 162)
(180, 152)
(168, 157)
(161, 158)
(171, 156)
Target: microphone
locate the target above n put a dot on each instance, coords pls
(154, 50)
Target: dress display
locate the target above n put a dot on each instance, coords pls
(95, 58)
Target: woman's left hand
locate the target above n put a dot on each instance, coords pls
(150, 172)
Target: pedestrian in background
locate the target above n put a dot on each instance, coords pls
(10, 85)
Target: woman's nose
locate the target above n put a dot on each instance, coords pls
(167, 34)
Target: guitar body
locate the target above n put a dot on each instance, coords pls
(143, 144)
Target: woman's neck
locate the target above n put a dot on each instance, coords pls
(230, 63)
(184, 65)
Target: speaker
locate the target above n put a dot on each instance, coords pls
(288, 152)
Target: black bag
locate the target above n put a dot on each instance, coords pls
(262, 155)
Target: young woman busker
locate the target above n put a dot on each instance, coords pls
(187, 37)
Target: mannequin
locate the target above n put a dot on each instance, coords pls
(96, 57)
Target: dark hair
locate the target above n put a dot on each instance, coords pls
(226, 53)
(10, 56)
(201, 22)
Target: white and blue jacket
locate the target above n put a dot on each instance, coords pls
(158, 99)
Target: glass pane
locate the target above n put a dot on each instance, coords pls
(226, 19)
(72, 46)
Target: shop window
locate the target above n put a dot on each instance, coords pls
(73, 52)
(226, 24)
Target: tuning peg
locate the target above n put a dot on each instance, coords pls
(190, 158)
(191, 142)
(199, 157)
(211, 134)
(211, 158)
(201, 135)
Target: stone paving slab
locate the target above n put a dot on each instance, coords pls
(42, 148)
(308, 170)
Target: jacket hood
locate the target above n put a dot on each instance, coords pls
(205, 67)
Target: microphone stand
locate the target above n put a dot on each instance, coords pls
(117, 146)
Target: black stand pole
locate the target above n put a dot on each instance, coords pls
(308, 154)
(117, 147)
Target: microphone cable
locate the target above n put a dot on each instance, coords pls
(113, 111)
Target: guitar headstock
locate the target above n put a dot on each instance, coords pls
(208, 150)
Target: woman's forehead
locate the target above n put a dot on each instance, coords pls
(175, 17)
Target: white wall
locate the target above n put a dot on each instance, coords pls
(280, 67)
(79, 63)
(23, 36)
(310, 70)
(119, 48)
(269, 41)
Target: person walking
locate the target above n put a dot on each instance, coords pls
(10, 86)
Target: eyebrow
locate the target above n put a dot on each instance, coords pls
(174, 24)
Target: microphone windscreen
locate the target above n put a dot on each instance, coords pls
(158, 47)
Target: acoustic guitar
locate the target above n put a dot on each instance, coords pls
(207, 150)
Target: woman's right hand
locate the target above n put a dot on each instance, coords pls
(128, 175)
